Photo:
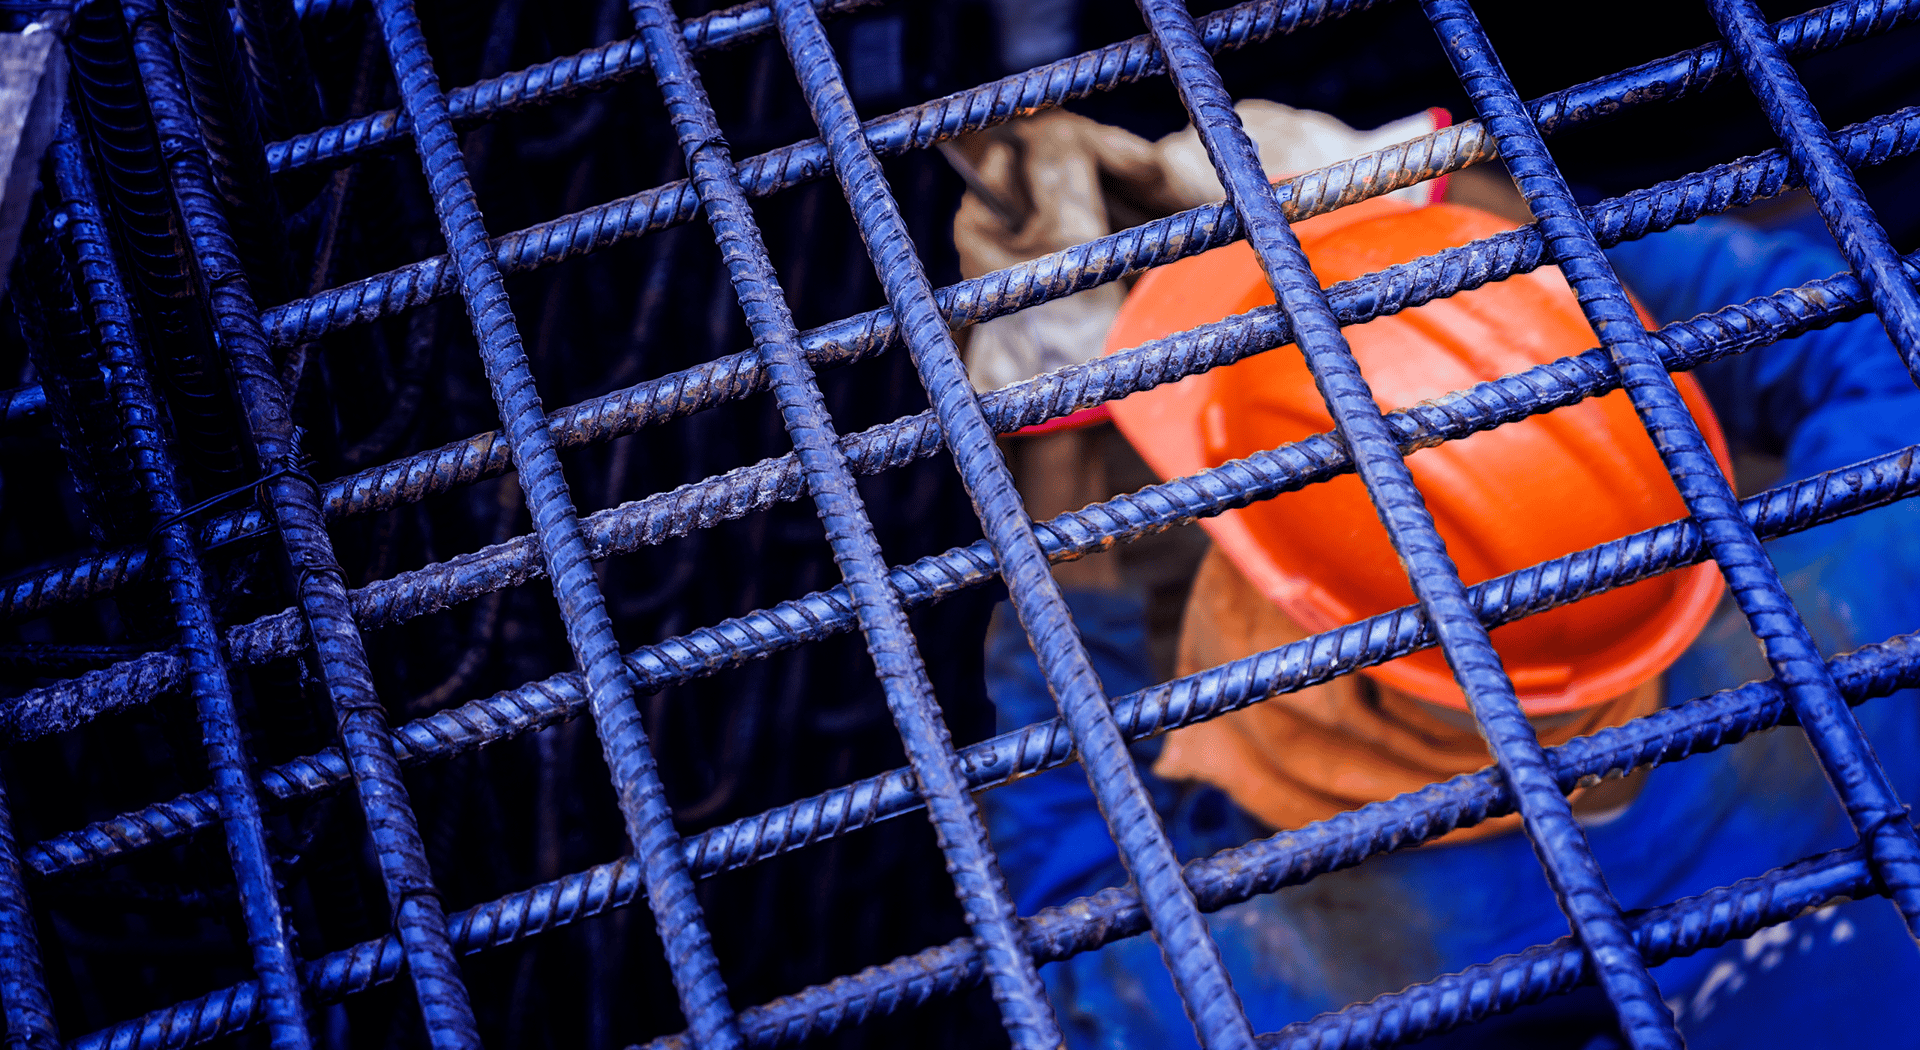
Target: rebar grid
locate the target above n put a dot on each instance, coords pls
(1607, 948)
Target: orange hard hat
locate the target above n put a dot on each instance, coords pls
(1503, 499)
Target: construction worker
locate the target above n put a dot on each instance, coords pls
(1311, 560)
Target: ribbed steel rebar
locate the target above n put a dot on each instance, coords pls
(277, 63)
(1056, 393)
(958, 828)
(1032, 749)
(1558, 840)
(1862, 784)
(1730, 330)
(568, 76)
(24, 1002)
(412, 478)
(1228, 877)
(111, 320)
(563, 543)
(1835, 191)
(1199, 975)
(391, 827)
(107, 93)
(592, 229)
(78, 400)
(1729, 913)
(228, 114)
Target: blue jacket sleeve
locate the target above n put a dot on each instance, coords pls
(1822, 400)
(1052, 841)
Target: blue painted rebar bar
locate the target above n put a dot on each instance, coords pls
(1681, 928)
(1035, 748)
(412, 478)
(1228, 877)
(1558, 840)
(1848, 761)
(25, 1006)
(782, 363)
(958, 828)
(111, 320)
(1199, 975)
(321, 585)
(623, 740)
(1835, 191)
(276, 59)
(554, 80)
(78, 401)
(1730, 330)
(109, 98)
(224, 104)
(592, 229)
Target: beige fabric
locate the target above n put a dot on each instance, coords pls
(1050, 166)
(1072, 180)
(1325, 749)
(1291, 141)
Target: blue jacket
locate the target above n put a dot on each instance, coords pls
(1822, 400)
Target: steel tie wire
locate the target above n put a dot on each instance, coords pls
(111, 320)
(1044, 745)
(741, 491)
(958, 828)
(1845, 756)
(1837, 193)
(1559, 842)
(623, 740)
(392, 829)
(1199, 975)
(1228, 877)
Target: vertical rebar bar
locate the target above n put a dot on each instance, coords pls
(418, 917)
(1558, 840)
(1845, 756)
(623, 740)
(1192, 958)
(958, 829)
(111, 322)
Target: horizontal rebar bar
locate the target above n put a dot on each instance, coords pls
(554, 80)
(1058, 392)
(1228, 877)
(1035, 748)
(548, 243)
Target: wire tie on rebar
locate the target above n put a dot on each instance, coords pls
(218, 498)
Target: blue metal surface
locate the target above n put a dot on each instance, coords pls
(1842, 204)
(186, 197)
(656, 519)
